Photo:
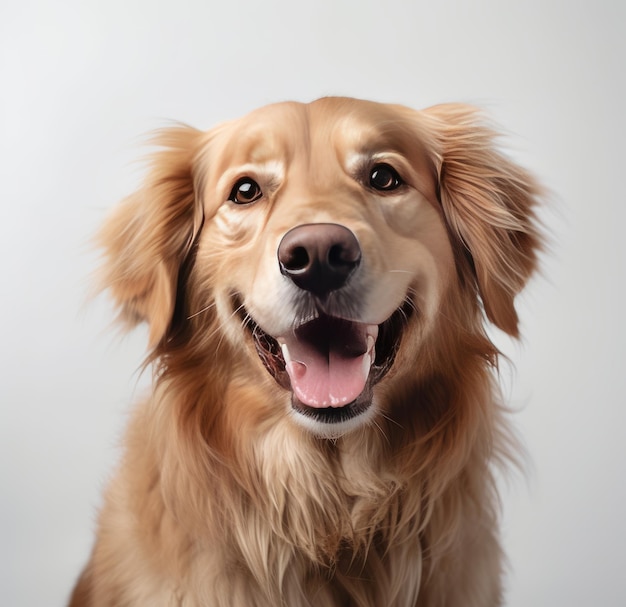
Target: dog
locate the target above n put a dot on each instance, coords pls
(324, 422)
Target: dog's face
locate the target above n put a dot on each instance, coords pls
(328, 242)
(334, 237)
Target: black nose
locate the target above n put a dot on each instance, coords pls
(319, 257)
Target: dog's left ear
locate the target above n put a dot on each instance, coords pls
(488, 202)
(149, 234)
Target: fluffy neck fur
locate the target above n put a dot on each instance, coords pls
(294, 509)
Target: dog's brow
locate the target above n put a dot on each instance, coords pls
(355, 162)
(271, 172)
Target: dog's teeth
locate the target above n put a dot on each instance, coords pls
(367, 363)
(285, 351)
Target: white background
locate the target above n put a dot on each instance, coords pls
(80, 84)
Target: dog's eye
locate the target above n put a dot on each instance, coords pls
(245, 191)
(384, 178)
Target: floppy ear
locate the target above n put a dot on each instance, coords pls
(488, 202)
(148, 236)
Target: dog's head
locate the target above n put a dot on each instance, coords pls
(339, 243)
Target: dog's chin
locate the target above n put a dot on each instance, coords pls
(334, 422)
(370, 352)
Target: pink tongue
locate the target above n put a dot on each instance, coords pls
(328, 360)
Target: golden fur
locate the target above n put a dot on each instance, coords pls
(223, 498)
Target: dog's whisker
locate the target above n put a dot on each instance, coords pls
(380, 429)
(202, 311)
(391, 420)
(223, 333)
(410, 300)
(246, 321)
(220, 327)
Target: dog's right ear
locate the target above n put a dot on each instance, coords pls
(148, 236)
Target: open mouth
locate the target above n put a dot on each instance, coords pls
(330, 364)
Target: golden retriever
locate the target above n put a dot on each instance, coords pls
(324, 419)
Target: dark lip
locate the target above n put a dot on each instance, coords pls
(335, 415)
(387, 344)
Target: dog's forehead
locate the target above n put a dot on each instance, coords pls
(289, 130)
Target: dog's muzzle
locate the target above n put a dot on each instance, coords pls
(329, 361)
